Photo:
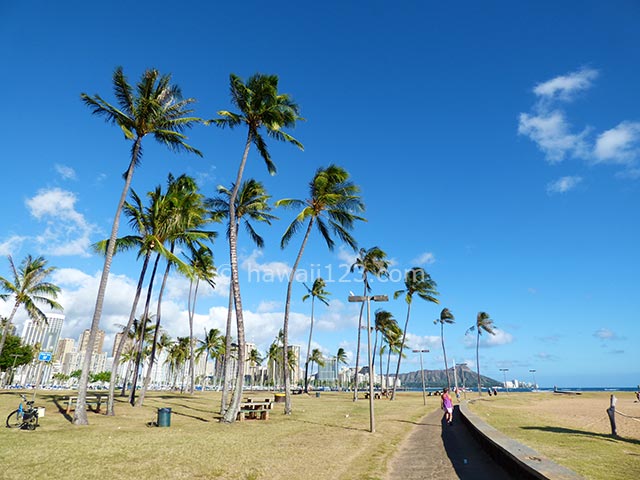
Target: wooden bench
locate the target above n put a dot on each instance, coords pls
(254, 409)
(92, 400)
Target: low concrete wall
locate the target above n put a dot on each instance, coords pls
(520, 460)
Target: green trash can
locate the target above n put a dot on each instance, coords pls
(164, 417)
(317, 394)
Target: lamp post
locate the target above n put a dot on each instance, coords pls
(464, 390)
(15, 357)
(504, 371)
(368, 298)
(535, 385)
(424, 394)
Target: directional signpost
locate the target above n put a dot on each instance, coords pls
(43, 357)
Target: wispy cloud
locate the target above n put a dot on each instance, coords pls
(426, 258)
(563, 184)
(67, 232)
(606, 334)
(11, 245)
(67, 173)
(501, 337)
(547, 126)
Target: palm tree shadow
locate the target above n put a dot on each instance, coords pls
(570, 431)
(341, 427)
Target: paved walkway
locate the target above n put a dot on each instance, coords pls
(436, 450)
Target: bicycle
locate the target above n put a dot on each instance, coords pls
(24, 418)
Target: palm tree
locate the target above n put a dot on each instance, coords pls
(29, 289)
(394, 341)
(274, 356)
(372, 261)
(416, 281)
(317, 358)
(261, 107)
(445, 317)
(483, 323)
(332, 206)
(341, 357)
(254, 360)
(211, 346)
(316, 291)
(252, 203)
(384, 324)
(155, 108)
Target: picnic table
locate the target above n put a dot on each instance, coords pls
(254, 409)
(92, 400)
(376, 395)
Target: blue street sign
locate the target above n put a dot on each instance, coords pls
(44, 356)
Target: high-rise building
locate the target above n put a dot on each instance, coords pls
(83, 341)
(46, 335)
(127, 345)
(65, 345)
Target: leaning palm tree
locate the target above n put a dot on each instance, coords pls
(155, 108)
(374, 262)
(445, 317)
(483, 323)
(332, 206)
(417, 281)
(29, 289)
(317, 358)
(211, 346)
(261, 108)
(384, 324)
(341, 357)
(252, 204)
(316, 291)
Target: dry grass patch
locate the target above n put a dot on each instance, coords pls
(326, 437)
(572, 430)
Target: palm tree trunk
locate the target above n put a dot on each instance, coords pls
(306, 363)
(123, 340)
(404, 336)
(227, 356)
(143, 325)
(156, 333)
(192, 366)
(355, 376)
(80, 414)
(478, 361)
(285, 327)
(444, 353)
(232, 412)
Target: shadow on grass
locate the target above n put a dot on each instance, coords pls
(571, 431)
(341, 427)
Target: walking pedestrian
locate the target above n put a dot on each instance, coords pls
(447, 406)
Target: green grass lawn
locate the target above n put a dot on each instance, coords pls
(324, 438)
(574, 431)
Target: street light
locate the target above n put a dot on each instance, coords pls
(368, 298)
(535, 385)
(464, 390)
(424, 395)
(504, 371)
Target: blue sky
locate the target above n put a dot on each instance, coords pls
(496, 145)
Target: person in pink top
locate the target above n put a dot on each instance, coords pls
(447, 406)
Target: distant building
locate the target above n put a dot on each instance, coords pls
(328, 373)
(128, 344)
(45, 336)
(83, 341)
(65, 345)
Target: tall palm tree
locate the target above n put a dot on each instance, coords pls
(332, 206)
(183, 215)
(445, 317)
(29, 289)
(483, 324)
(372, 261)
(274, 356)
(394, 341)
(417, 281)
(384, 324)
(316, 291)
(261, 108)
(254, 360)
(317, 358)
(155, 108)
(252, 203)
(341, 358)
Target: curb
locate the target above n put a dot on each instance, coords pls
(518, 459)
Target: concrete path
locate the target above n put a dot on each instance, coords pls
(437, 450)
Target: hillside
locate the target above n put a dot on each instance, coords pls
(438, 379)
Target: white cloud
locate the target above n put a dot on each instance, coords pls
(606, 334)
(347, 256)
(425, 258)
(487, 340)
(11, 245)
(564, 87)
(268, 272)
(551, 132)
(619, 145)
(563, 185)
(67, 232)
(67, 173)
